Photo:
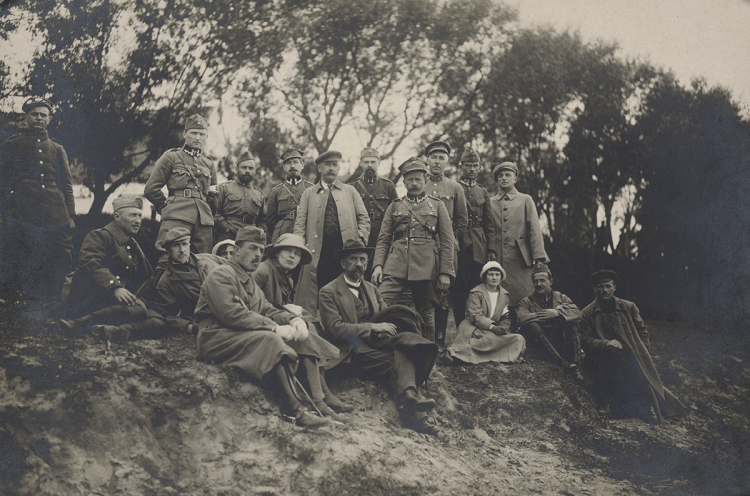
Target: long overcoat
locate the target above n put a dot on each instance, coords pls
(518, 241)
(627, 324)
(354, 223)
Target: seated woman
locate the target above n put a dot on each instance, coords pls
(273, 277)
(484, 336)
(224, 249)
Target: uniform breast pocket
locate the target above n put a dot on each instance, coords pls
(178, 179)
(234, 198)
(448, 202)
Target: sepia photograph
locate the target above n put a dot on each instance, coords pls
(374, 247)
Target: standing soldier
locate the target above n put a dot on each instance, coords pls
(239, 203)
(377, 193)
(415, 247)
(518, 235)
(452, 196)
(36, 207)
(477, 242)
(188, 175)
(285, 197)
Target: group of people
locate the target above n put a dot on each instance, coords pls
(319, 275)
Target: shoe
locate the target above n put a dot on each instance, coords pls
(329, 413)
(114, 334)
(305, 418)
(446, 359)
(605, 411)
(574, 372)
(67, 325)
(425, 425)
(410, 401)
(336, 404)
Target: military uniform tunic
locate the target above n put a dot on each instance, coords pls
(188, 175)
(237, 206)
(281, 207)
(452, 195)
(376, 195)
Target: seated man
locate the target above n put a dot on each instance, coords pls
(549, 318)
(112, 271)
(379, 341)
(238, 327)
(178, 288)
(615, 339)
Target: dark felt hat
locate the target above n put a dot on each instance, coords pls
(196, 121)
(437, 146)
(604, 275)
(469, 155)
(36, 101)
(328, 155)
(504, 166)
(174, 235)
(290, 240)
(352, 246)
(252, 234)
(126, 201)
(291, 153)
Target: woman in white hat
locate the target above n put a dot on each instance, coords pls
(484, 336)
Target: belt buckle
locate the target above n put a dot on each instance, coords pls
(187, 193)
(244, 219)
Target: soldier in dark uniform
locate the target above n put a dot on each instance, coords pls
(239, 203)
(188, 175)
(477, 241)
(377, 193)
(415, 247)
(108, 283)
(284, 198)
(452, 196)
(36, 208)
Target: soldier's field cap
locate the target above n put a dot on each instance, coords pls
(505, 166)
(414, 164)
(539, 268)
(196, 121)
(437, 146)
(603, 276)
(369, 152)
(126, 201)
(291, 153)
(251, 234)
(175, 235)
(245, 156)
(328, 155)
(34, 102)
(469, 155)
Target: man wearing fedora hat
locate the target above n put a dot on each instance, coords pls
(239, 328)
(189, 176)
(108, 286)
(37, 207)
(238, 202)
(453, 197)
(551, 319)
(284, 198)
(519, 244)
(176, 292)
(329, 214)
(380, 341)
(618, 362)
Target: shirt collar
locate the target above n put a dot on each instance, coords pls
(510, 194)
(352, 284)
(336, 184)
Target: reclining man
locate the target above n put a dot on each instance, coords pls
(107, 285)
(238, 327)
(379, 341)
(550, 318)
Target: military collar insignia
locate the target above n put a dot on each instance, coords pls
(416, 199)
(469, 183)
(369, 180)
(437, 177)
(293, 181)
(193, 152)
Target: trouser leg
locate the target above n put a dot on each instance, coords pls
(425, 299)
(327, 269)
(151, 327)
(278, 380)
(201, 239)
(395, 366)
(309, 365)
(536, 332)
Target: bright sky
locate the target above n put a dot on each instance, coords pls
(709, 38)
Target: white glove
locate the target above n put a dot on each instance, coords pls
(287, 332)
(301, 327)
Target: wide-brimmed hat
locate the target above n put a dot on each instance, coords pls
(290, 240)
(218, 246)
(352, 246)
(492, 265)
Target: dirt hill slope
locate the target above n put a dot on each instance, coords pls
(146, 418)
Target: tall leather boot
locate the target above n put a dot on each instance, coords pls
(441, 324)
(428, 315)
(291, 407)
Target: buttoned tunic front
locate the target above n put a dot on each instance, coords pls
(238, 205)
(376, 196)
(452, 195)
(353, 221)
(480, 230)
(281, 207)
(518, 241)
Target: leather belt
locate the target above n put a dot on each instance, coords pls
(36, 182)
(187, 193)
(402, 234)
(245, 219)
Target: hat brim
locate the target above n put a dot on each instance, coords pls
(348, 251)
(273, 249)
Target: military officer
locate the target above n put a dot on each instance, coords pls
(37, 207)
(518, 236)
(477, 241)
(238, 202)
(188, 175)
(415, 247)
(284, 198)
(452, 196)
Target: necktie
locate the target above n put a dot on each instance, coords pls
(359, 291)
